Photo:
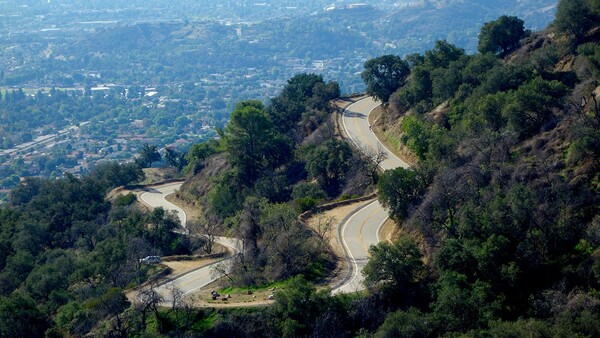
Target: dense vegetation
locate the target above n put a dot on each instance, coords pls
(281, 160)
(501, 213)
(67, 254)
(500, 216)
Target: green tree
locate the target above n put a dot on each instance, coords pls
(411, 323)
(398, 190)
(297, 306)
(20, 317)
(395, 265)
(461, 305)
(148, 155)
(533, 103)
(501, 36)
(225, 198)
(252, 142)
(289, 251)
(384, 75)
(417, 135)
(111, 174)
(573, 17)
(442, 54)
(200, 152)
(328, 163)
(303, 92)
(175, 159)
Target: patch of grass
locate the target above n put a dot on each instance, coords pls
(254, 288)
(392, 140)
(346, 197)
(316, 270)
(206, 322)
(199, 320)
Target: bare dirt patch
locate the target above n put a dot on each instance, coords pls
(390, 231)
(204, 299)
(192, 211)
(156, 175)
(390, 138)
(180, 267)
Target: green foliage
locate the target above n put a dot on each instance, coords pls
(64, 246)
(307, 195)
(252, 142)
(384, 75)
(200, 152)
(112, 174)
(20, 317)
(305, 204)
(74, 318)
(532, 104)
(522, 328)
(416, 135)
(433, 79)
(225, 199)
(277, 245)
(411, 323)
(298, 303)
(175, 159)
(460, 305)
(148, 155)
(575, 17)
(442, 54)
(591, 51)
(398, 190)
(309, 190)
(398, 265)
(501, 36)
(303, 93)
(125, 200)
(328, 163)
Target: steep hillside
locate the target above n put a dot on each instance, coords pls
(508, 148)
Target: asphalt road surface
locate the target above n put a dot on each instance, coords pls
(155, 197)
(192, 281)
(360, 230)
(195, 279)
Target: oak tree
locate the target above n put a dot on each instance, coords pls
(384, 75)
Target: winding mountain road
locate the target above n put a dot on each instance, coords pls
(155, 197)
(195, 279)
(360, 229)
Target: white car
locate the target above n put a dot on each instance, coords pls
(150, 260)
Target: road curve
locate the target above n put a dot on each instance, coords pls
(155, 197)
(194, 279)
(360, 230)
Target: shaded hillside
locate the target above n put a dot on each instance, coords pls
(503, 202)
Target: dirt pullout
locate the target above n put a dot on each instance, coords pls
(204, 298)
(179, 267)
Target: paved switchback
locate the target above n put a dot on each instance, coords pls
(193, 280)
(360, 229)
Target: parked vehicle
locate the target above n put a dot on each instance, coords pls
(150, 260)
